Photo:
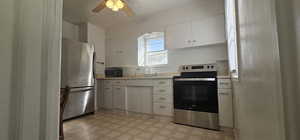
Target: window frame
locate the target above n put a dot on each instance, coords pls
(234, 72)
(145, 37)
(156, 37)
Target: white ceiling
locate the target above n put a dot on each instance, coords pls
(77, 11)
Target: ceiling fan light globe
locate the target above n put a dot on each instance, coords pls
(109, 4)
(115, 8)
(119, 4)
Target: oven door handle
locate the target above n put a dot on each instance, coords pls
(196, 79)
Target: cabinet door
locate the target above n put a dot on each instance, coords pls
(178, 36)
(100, 94)
(139, 99)
(132, 99)
(146, 100)
(208, 31)
(108, 98)
(119, 97)
(225, 107)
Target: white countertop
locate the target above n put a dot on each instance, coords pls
(149, 77)
(136, 78)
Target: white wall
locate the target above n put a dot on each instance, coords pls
(121, 46)
(297, 23)
(296, 4)
(7, 15)
(258, 96)
(288, 55)
(70, 30)
(28, 44)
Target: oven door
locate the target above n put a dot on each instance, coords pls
(196, 94)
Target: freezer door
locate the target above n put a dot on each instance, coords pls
(77, 64)
(81, 101)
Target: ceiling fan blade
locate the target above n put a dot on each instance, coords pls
(99, 7)
(128, 10)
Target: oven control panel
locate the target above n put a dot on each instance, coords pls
(198, 68)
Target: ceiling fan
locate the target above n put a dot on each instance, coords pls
(114, 5)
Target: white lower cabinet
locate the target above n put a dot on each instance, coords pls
(141, 96)
(119, 97)
(146, 100)
(167, 98)
(165, 109)
(108, 98)
(139, 99)
(163, 97)
(100, 94)
(225, 107)
(132, 99)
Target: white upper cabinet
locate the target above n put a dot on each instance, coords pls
(200, 32)
(208, 31)
(178, 36)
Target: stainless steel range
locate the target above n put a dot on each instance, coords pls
(196, 96)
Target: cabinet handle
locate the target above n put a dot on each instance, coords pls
(189, 41)
(107, 88)
(162, 107)
(224, 93)
(162, 82)
(224, 83)
(194, 41)
(162, 90)
(118, 88)
(162, 98)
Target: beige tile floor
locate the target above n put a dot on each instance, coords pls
(116, 125)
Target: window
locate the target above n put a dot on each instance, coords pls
(231, 25)
(151, 49)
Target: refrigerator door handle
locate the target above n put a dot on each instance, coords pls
(94, 65)
(82, 90)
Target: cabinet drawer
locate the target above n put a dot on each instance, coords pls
(118, 82)
(107, 83)
(107, 89)
(224, 84)
(167, 98)
(165, 109)
(162, 82)
(139, 83)
(162, 90)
